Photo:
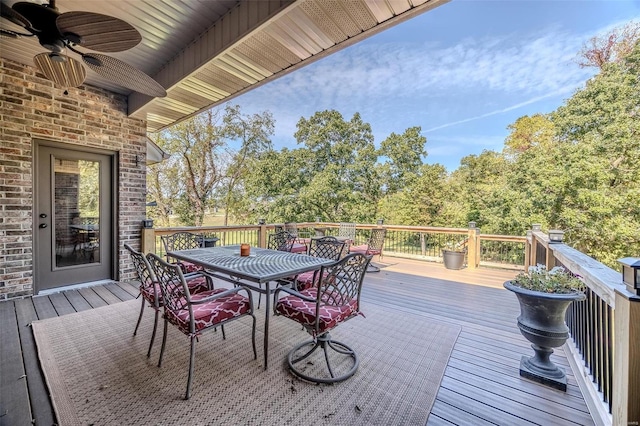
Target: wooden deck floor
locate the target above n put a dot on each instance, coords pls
(481, 385)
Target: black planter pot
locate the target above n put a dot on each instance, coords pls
(453, 259)
(541, 322)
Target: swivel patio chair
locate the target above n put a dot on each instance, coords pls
(372, 247)
(319, 309)
(182, 241)
(150, 290)
(193, 314)
(325, 247)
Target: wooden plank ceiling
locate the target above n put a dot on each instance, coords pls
(207, 52)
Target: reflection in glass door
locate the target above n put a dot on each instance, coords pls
(77, 212)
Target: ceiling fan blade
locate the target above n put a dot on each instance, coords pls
(11, 15)
(98, 32)
(61, 69)
(40, 18)
(124, 74)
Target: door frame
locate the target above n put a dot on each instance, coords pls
(37, 169)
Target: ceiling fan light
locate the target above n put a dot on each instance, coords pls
(73, 38)
(92, 60)
(55, 57)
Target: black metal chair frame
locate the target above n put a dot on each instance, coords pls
(176, 297)
(327, 248)
(281, 240)
(147, 278)
(340, 283)
(181, 241)
(375, 243)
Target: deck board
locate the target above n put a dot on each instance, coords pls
(78, 302)
(481, 385)
(41, 408)
(14, 397)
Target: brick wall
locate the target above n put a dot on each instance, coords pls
(32, 108)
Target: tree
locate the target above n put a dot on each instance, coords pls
(612, 47)
(253, 133)
(342, 179)
(599, 132)
(199, 166)
(404, 158)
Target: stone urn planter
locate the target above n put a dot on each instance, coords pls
(542, 322)
(453, 259)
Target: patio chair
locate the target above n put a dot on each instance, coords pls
(193, 314)
(347, 231)
(182, 241)
(280, 240)
(325, 247)
(299, 245)
(372, 247)
(321, 308)
(150, 290)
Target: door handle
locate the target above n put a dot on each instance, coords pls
(43, 225)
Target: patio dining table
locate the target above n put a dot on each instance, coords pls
(262, 266)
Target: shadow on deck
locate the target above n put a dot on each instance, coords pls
(481, 383)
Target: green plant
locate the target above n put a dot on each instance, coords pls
(458, 246)
(557, 280)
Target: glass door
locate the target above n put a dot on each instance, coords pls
(73, 234)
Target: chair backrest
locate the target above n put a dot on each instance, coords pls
(347, 230)
(341, 283)
(281, 240)
(326, 247)
(181, 241)
(175, 292)
(143, 269)
(376, 240)
(292, 228)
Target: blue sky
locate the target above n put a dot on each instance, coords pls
(462, 72)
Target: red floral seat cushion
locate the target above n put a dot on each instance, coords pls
(305, 312)
(196, 285)
(210, 313)
(305, 280)
(188, 267)
(299, 248)
(364, 249)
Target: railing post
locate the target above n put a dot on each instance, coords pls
(473, 254)
(626, 371)
(534, 244)
(527, 250)
(148, 243)
(262, 233)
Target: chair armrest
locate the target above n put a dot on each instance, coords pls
(293, 293)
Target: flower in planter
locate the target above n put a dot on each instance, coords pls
(557, 280)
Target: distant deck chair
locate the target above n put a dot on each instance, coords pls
(347, 230)
(299, 246)
(373, 247)
(182, 241)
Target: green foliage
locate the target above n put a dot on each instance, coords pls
(557, 280)
(575, 169)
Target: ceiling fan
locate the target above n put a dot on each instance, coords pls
(58, 32)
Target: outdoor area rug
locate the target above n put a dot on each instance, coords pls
(98, 372)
